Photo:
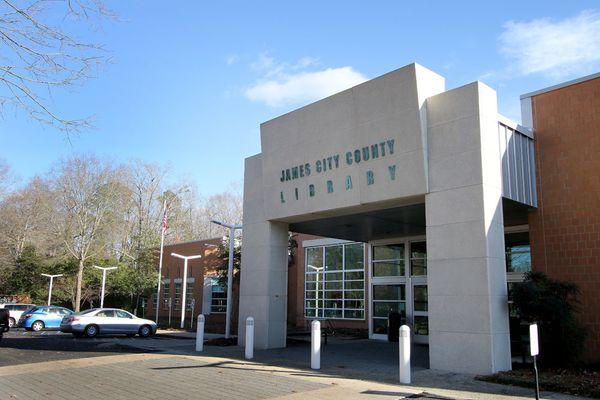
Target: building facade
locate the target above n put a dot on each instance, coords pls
(565, 227)
(346, 300)
(205, 292)
(424, 183)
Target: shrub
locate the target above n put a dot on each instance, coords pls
(552, 305)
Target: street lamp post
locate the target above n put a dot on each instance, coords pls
(104, 270)
(50, 287)
(317, 270)
(232, 229)
(185, 267)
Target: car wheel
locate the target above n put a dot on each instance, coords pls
(11, 322)
(91, 331)
(37, 326)
(145, 331)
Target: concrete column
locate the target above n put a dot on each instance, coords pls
(263, 284)
(468, 311)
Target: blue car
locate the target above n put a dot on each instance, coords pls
(40, 318)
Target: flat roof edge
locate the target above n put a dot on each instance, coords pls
(561, 85)
(516, 126)
(413, 65)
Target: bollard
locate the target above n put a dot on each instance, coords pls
(534, 349)
(249, 338)
(315, 340)
(200, 333)
(404, 341)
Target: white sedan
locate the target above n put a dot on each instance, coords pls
(106, 321)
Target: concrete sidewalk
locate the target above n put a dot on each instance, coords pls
(168, 376)
(356, 364)
(367, 363)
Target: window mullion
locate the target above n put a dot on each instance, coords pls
(343, 281)
(322, 285)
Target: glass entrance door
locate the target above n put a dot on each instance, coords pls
(388, 285)
(419, 298)
(399, 283)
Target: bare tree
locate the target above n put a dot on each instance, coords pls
(4, 177)
(225, 206)
(88, 191)
(24, 218)
(141, 220)
(38, 54)
(181, 203)
(87, 210)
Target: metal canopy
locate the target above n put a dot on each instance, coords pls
(367, 226)
(389, 223)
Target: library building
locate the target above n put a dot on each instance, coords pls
(402, 195)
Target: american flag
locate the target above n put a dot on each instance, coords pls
(164, 222)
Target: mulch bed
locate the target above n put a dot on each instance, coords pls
(222, 342)
(580, 382)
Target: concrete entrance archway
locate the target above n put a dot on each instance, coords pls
(395, 156)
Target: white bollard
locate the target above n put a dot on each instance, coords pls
(404, 343)
(315, 340)
(249, 338)
(200, 333)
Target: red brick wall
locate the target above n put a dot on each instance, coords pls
(565, 229)
(173, 269)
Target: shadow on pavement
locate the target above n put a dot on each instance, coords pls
(362, 359)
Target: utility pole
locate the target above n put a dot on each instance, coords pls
(232, 229)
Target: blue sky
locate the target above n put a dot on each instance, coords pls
(191, 81)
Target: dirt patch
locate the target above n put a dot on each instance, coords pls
(222, 342)
(580, 382)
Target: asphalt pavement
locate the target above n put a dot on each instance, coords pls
(22, 347)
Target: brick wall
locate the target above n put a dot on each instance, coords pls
(198, 269)
(565, 229)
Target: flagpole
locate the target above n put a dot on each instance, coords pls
(160, 260)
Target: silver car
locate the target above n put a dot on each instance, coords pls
(106, 321)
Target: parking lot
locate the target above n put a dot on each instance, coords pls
(22, 347)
